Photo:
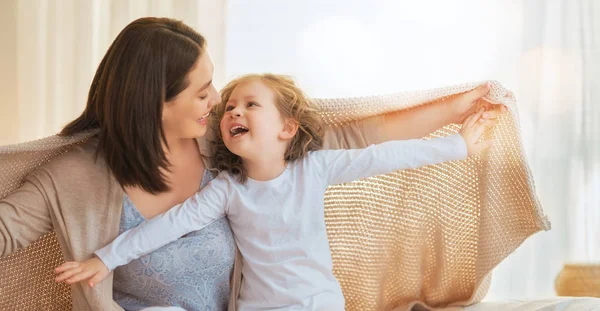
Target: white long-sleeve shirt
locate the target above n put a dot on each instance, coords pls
(279, 225)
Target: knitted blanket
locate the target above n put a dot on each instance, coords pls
(429, 236)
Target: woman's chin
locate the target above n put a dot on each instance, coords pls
(200, 132)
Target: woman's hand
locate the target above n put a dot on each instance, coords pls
(466, 104)
(423, 120)
(73, 271)
(472, 129)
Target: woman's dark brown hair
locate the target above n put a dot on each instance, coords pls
(144, 67)
(292, 103)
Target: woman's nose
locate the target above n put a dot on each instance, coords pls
(216, 100)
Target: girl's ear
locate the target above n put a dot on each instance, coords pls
(289, 130)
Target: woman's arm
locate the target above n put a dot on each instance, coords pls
(412, 123)
(24, 217)
(426, 119)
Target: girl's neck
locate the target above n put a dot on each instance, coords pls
(265, 169)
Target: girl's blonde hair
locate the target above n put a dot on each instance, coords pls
(292, 103)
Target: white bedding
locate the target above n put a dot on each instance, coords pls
(547, 304)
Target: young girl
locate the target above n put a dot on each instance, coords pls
(271, 187)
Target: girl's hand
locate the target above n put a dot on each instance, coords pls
(472, 129)
(73, 271)
(466, 104)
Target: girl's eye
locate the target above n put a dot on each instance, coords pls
(250, 104)
(228, 108)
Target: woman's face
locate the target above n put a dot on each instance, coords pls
(186, 115)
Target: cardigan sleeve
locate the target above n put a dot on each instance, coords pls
(24, 217)
(356, 134)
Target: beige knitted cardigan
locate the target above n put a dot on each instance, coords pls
(429, 236)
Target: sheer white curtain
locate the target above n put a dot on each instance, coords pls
(559, 90)
(545, 51)
(51, 49)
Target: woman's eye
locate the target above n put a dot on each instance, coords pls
(203, 97)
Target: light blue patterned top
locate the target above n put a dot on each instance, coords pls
(192, 272)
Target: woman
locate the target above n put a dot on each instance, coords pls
(150, 102)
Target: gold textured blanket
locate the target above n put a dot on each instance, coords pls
(429, 236)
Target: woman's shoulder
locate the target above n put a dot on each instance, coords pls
(73, 166)
(54, 163)
(77, 157)
(50, 153)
